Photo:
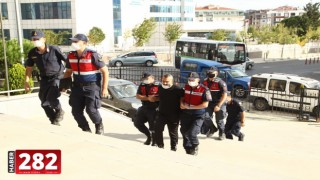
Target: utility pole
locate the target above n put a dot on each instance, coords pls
(19, 29)
(4, 51)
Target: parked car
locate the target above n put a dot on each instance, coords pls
(122, 97)
(284, 91)
(236, 80)
(147, 58)
(249, 63)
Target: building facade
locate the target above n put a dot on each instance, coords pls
(272, 17)
(212, 17)
(72, 16)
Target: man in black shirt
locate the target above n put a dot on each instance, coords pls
(48, 59)
(148, 94)
(235, 119)
(169, 110)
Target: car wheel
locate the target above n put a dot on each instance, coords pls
(118, 64)
(249, 66)
(316, 111)
(149, 63)
(238, 91)
(261, 104)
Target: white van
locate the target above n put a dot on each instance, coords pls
(285, 91)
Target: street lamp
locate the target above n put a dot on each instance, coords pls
(4, 51)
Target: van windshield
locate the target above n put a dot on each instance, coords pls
(315, 85)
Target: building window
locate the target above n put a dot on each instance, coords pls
(52, 10)
(117, 24)
(6, 34)
(4, 10)
(66, 41)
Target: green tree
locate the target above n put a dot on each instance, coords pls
(27, 46)
(143, 32)
(96, 36)
(265, 35)
(312, 15)
(297, 23)
(17, 78)
(172, 33)
(219, 35)
(284, 35)
(12, 52)
(56, 38)
(252, 32)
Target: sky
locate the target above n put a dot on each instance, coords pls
(254, 4)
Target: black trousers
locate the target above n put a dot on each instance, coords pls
(190, 128)
(172, 122)
(86, 97)
(48, 95)
(233, 128)
(145, 114)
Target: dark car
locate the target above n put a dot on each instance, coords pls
(249, 63)
(122, 97)
(147, 58)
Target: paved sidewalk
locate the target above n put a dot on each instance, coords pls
(274, 147)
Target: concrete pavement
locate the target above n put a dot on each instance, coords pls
(275, 147)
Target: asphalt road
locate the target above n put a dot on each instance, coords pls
(297, 67)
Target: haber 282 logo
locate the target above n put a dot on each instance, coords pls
(34, 161)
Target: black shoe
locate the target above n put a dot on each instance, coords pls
(241, 137)
(229, 136)
(194, 150)
(222, 136)
(161, 146)
(153, 141)
(54, 122)
(59, 115)
(86, 129)
(173, 148)
(99, 129)
(148, 141)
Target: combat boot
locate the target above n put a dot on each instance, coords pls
(59, 115)
(54, 122)
(86, 129)
(148, 141)
(241, 137)
(99, 129)
(153, 141)
(222, 136)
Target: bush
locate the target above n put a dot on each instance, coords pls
(17, 78)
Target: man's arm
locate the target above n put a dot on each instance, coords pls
(68, 73)
(28, 75)
(200, 106)
(242, 116)
(105, 79)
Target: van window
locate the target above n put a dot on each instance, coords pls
(259, 83)
(190, 67)
(277, 85)
(295, 88)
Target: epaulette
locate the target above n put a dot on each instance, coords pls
(217, 79)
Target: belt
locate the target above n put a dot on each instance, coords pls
(81, 84)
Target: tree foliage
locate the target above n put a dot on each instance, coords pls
(143, 32)
(96, 36)
(56, 38)
(219, 35)
(17, 78)
(172, 33)
(303, 25)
